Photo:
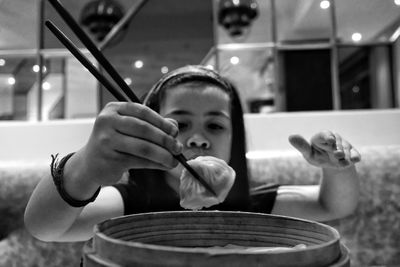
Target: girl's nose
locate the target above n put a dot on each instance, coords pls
(198, 141)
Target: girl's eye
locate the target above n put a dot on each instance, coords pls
(216, 127)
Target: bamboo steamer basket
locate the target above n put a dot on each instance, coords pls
(186, 238)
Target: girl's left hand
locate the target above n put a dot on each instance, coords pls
(326, 150)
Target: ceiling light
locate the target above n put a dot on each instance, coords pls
(397, 2)
(164, 69)
(35, 68)
(11, 80)
(234, 60)
(356, 37)
(2, 62)
(211, 67)
(324, 4)
(138, 64)
(46, 86)
(128, 81)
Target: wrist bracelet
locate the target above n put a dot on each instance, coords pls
(57, 172)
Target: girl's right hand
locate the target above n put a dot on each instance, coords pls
(125, 136)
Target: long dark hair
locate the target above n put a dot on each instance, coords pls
(238, 198)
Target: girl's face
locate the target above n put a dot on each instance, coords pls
(204, 119)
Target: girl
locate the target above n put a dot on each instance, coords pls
(193, 111)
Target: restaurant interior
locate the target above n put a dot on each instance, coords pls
(300, 66)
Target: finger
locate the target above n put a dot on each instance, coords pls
(338, 147)
(344, 162)
(135, 127)
(176, 125)
(351, 154)
(145, 113)
(147, 151)
(300, 144)
(343, 153)
(324, 140)
(355, 156)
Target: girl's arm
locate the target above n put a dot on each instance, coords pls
(337, 194)
(49, 218)
(124, 136)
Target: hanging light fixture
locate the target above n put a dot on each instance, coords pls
(236, 16)
(100, 16)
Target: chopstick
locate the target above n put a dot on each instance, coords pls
(85, 39)
(85, 61)
(102, 79)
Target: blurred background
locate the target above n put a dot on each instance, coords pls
(282, 55)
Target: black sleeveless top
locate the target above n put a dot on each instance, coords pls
(137, 198)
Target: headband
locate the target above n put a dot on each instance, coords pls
(191, 72)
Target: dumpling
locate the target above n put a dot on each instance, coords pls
(216, 172)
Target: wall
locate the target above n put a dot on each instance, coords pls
(37, 141)
(361, 128)
(266, 132)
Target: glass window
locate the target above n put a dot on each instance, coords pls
(18, 24)
(74, 9)
(373, 20)
(365, 75)
(252, 72)
(303, 21)
(72, 90)
(161, 37)
(306, 79)
(68, 90)
(7, 84)
(17, 77)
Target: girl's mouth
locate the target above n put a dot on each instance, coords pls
(193, 156)
(190, 154)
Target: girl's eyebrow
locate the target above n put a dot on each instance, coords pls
(210, 113)
(179, 112)
(218, 113)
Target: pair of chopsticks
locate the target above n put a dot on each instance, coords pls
(107, 67)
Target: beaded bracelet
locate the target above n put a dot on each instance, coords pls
(57, 172)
